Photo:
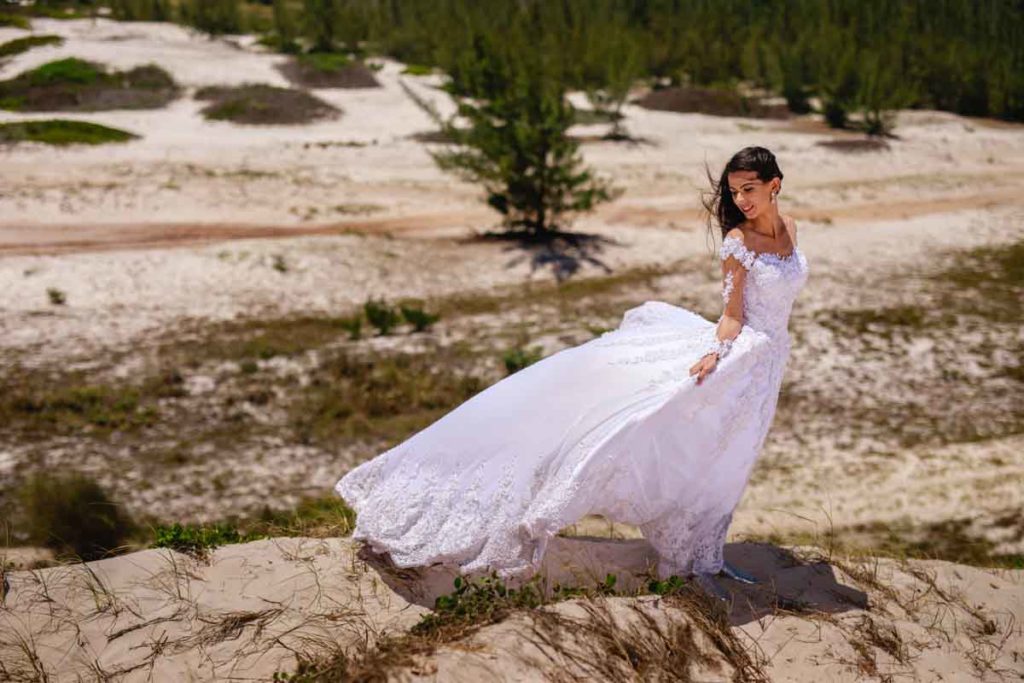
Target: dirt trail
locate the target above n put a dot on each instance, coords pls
(23, 239)
(65, 239)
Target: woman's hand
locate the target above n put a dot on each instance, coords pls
(704, 366)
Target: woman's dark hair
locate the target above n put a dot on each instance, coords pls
(718, 202)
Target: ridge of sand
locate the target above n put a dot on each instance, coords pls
(251, 609)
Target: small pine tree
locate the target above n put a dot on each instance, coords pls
(285, 27)
(517, 144)
(320, 23)
(881, 92)
(212, 16)
(381, 315)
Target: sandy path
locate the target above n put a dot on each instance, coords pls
(78, 238)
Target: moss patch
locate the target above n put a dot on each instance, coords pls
(19, 45)
(74, 84)
(328, 70)
(61, 132)
(260, 104)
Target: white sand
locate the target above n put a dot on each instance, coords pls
(143, 238)
(249, 610)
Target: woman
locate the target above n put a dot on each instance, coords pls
(656, 423)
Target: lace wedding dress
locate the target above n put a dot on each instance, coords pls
(615, 426)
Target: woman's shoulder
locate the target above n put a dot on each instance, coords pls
(737, 233)
(790, 223)
(734, 244)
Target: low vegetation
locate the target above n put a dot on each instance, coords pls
(33, 407)
(74, 84)
(259, 104)
(518, 358)
(328, 70)
(19, 45)
(61, 132)
(380, 396)
(198, 540)
(614, 650)
(14, 21)
(73, 515)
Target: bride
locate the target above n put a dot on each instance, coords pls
(656, 423)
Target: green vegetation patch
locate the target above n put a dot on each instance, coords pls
(74, 84)
(198, 540)
(328, 70)
(14, 21)
(19, 45)
(32, 406)
(260, 104)
(608, 652)
(380, 396)
(61, 132)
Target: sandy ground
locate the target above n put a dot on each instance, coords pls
(247, 611)
(185, 225)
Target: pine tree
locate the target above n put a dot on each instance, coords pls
(516, 143)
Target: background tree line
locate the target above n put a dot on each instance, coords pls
(963, 56)
(510, 64)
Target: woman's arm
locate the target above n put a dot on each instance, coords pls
(735, 261)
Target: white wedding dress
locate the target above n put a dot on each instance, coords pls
(615, 426)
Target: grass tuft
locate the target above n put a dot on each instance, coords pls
(60, 133)
(19, 45)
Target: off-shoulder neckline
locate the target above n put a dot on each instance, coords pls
(758, 254)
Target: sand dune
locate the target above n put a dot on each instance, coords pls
(247, 611)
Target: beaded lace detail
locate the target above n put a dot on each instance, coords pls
(614, 426)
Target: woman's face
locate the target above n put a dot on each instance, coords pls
(752, 195)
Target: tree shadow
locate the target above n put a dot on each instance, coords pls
(786, 584)
(627, 138)
(562, 251)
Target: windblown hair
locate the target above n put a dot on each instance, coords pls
(721, 209)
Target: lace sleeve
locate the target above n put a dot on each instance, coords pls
(736, 261)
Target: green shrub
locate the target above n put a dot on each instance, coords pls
(518, 358)
(197, 539)
(353, 325)
(420, 319)
(19, 45)
(56, 296)
(141, 10)
(381, 315)
(61, 132)
(212, 16)
(477, 603)
(14, 21)
(72, 514)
